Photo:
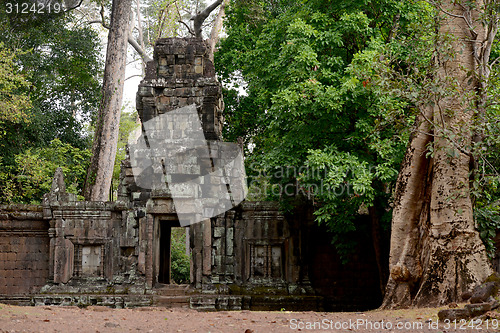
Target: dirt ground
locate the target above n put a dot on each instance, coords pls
(101, 319)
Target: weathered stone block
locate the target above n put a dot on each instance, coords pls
(146, 91)
(217, 245)
(478, 308)
(63, 260)
(482, 292)
(453, 314)
(218, 232)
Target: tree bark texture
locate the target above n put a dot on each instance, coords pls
(100, 173)
(216, 29)
(436, 253)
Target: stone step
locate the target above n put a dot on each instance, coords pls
(15, 299)
(172, 301)
(174, 290)
(217, 302)
(84, 300)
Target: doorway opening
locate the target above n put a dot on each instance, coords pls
(174, 254)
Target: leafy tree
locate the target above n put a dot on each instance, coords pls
(31, 177)
(333, 93)
(14, 104)
(61, 61)
(54, 65)
(13, 100)
(310, 121)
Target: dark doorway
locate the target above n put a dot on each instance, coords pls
(165, 234)
(165, 269)
(173, 247)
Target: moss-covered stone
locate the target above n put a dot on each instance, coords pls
(495, 277)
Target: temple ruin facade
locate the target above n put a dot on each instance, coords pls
(252, 256)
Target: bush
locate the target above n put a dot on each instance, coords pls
(180, 261)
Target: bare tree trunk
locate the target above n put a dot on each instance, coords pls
(436, 253)
(216, 29)
(98, 182)
(141, 37)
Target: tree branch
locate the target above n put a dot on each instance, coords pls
(75, 7)
(139, 49)
(199, 18)
(471, 28)
(188, 27)
(394, 28)
(131, 41)
(103, 21)
(141, 33)
(132, 76)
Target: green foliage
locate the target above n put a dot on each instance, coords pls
(488, 222)
(32, 175)
(180, 261)
(14, 102)
(128, 123)
(320, 100)
(61, 60)
(332, 91)
(50, 88)
(485, 184)
(63, 65)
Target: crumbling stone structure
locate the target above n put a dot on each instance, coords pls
(236, 252)
(118, 253)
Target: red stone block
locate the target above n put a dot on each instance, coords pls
(9, 265)
(10, 256)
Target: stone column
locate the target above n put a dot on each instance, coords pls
(149, 251)
(207, 247)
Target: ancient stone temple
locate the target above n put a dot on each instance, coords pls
(244, 255)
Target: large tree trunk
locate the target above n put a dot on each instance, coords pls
(436, 253)
(100, 173)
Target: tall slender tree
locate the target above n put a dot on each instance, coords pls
(217, 28)
(98, 182)
(436, 253)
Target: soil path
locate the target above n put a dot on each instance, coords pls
(101, 319)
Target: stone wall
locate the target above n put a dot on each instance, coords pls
(92, 244)
(274, 260)
(24, 249)
(252, 245)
